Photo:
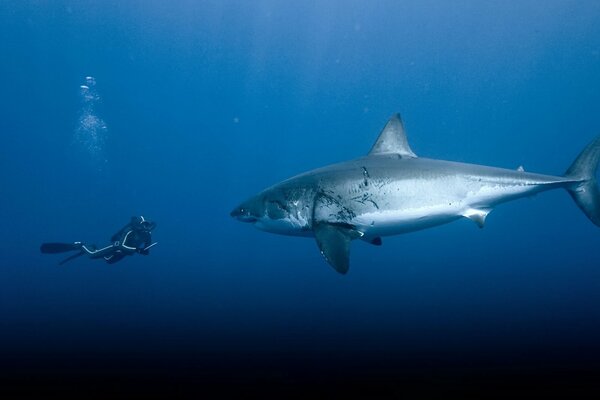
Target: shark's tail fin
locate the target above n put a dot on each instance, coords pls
(585, 190)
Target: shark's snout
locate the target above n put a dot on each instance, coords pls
(243, 214)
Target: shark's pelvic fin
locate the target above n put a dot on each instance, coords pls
(376, 241)
(334, 243)
(392, 140)
(477, 215)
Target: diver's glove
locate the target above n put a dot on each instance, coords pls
(145, 251)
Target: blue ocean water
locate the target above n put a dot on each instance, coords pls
(198, 105)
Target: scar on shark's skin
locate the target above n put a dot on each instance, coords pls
(366, 176)
(337, 204)
(281, 205)
(364, 198)
(375, 204)
(344, 213)
(380, 183)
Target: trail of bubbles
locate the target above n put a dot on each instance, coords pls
(91, 131)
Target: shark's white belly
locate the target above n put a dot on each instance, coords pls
(392, 222)
(411, 205)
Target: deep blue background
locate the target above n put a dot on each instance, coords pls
(209, 102)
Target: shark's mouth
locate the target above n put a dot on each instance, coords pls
(245, 218)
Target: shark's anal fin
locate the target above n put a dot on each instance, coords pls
(477, 215)
(392, 140)
(334, 243)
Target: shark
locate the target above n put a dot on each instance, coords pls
(391, 191)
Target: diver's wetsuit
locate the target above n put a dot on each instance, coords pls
(129, 240)
(135, 237)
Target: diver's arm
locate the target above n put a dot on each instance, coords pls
(119, 234)
(147, 244)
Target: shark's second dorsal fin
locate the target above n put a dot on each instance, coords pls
(392, 140)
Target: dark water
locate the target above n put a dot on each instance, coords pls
(195, 106)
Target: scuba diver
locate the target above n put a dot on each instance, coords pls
(135, 237)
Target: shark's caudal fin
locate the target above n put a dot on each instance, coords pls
(585, 192)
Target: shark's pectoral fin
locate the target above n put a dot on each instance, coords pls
(477, 215)
(334, 243)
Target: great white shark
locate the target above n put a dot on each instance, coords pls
(392, 191)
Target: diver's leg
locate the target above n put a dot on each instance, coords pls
(98, 253)
(114, 257)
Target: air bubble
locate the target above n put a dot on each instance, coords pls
(91, 131)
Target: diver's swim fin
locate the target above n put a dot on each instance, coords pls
(71, 257)
(53, 248)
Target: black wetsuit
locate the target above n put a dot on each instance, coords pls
(135, 237)
(127, 241)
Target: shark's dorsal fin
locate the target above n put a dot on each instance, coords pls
(334, 243)
(392, 140)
